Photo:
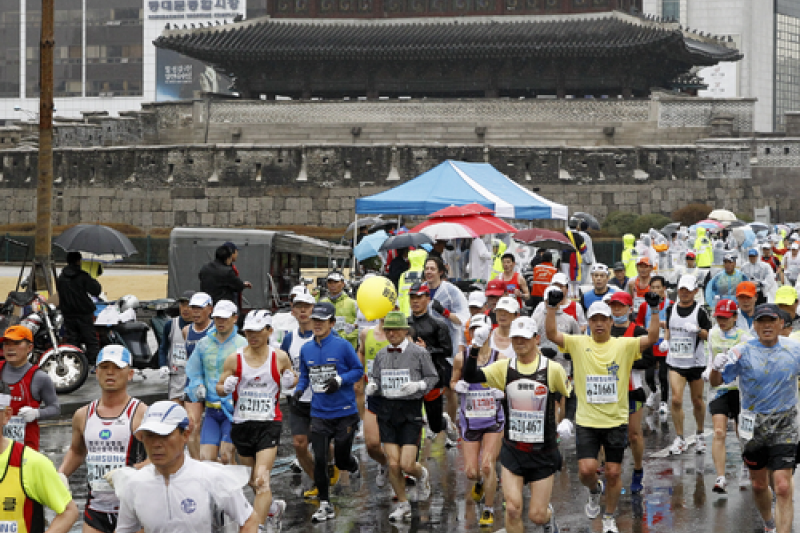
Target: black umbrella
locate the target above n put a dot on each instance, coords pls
(385, 225)
(365, 221)
(670, 228)
(406, 240)
(589, 219)
(95, 239)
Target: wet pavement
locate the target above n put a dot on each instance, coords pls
(677, 497)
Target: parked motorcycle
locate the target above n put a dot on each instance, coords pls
(65, 364)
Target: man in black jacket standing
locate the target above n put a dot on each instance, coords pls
(218, 278)
(74, 288)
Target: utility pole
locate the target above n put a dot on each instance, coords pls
(44, 188)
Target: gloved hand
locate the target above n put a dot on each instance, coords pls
(481, 335)
(462, 387)
(230, 384)
(691, 328)
(554, 297)
(371, 388)
(64, 480)
(28, 414)
(498, 394)
(664, 346)
(164, 371)
(287, 379)
(333, 384)
(412, 387)
(200, 392)
(297, 395)
(437, 306)
(720, 361)
(565, 428)
(349, 328)
(706, 374)
(652, 299)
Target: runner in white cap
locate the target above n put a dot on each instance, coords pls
(102, 436)
(255, 375)
(176, 494)
(201, 307)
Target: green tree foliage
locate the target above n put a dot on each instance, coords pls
(691, 214)
(619, 222)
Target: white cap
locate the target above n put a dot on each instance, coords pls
(687, 281)
(479, 320)
(508, 303)
(117, 354)
(163, 418)
(224, 309)
(560, 278)
(298, 289)
(304, 298)
(598, 308)
(599, 267)
(257, 319)
(796, 246)
(524, 326)
(200, 299)
(335, 276)
(477, 299)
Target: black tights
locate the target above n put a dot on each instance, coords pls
(650, 377)
(434, 410)
(342, 450)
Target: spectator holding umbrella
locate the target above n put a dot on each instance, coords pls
(74, 288)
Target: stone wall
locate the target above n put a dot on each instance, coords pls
(249, 185)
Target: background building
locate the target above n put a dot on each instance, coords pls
(768, 34)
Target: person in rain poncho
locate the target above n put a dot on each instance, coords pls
(723, 285)
(703, 249)
(480, 260)
(629, 255)
(416, 259)
(587, 256)
(498, 249)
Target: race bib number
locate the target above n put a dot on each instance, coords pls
(256, 405)
(747, 424)
(98, 465)
(480, 404)
(526, 426)
(179, 356)
(320, 374)
(15, 429)
(681, 348)
(637, 303)
(393, 380)
(601, 389)
(343, 326)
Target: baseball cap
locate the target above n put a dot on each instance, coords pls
(688, 282)
(186, 296)
(200, 299)
(766, 245)
(117, 354)
(335, 276)
(524, 326)
(621, 297)
(230, 246)
(796, 246)
(163, 418)
(496, 287)
(746, 288)
(298, 289)
(224, 309)
(752, 252)
(644, 260)
(507, 303)
(419, 288)
(17, 333)
(766, 310)
(304, 298)
(598, 308)
(395, 320)
(477, 299)
(599, 267)
(690, 255)
(323, 311)
(729, 257)
(786, 295)
(726, 308)
(479, 320)
(619, 265)
(560, 278)
(256, 320)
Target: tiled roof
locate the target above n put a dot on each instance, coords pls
(567, 36)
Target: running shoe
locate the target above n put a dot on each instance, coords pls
(450, 443)
(401, 513)
(652, 401)
(487, 518)
(663, 410)
(325, 512)
(275, 516)
(295, 467)
(355, 474)
(744, 477)
(333, 473)
(721, 485)
(678, 446)
(593, 505)
(380, 477)
(312, 493)
(770, 529)
(551, 526)
(424, 484)
(637, 482)
(477, 491)
(450, 428)
(700, 443)
(610, 525)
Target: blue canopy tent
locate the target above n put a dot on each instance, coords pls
(459, 183)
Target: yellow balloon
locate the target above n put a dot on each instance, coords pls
(376, 297)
